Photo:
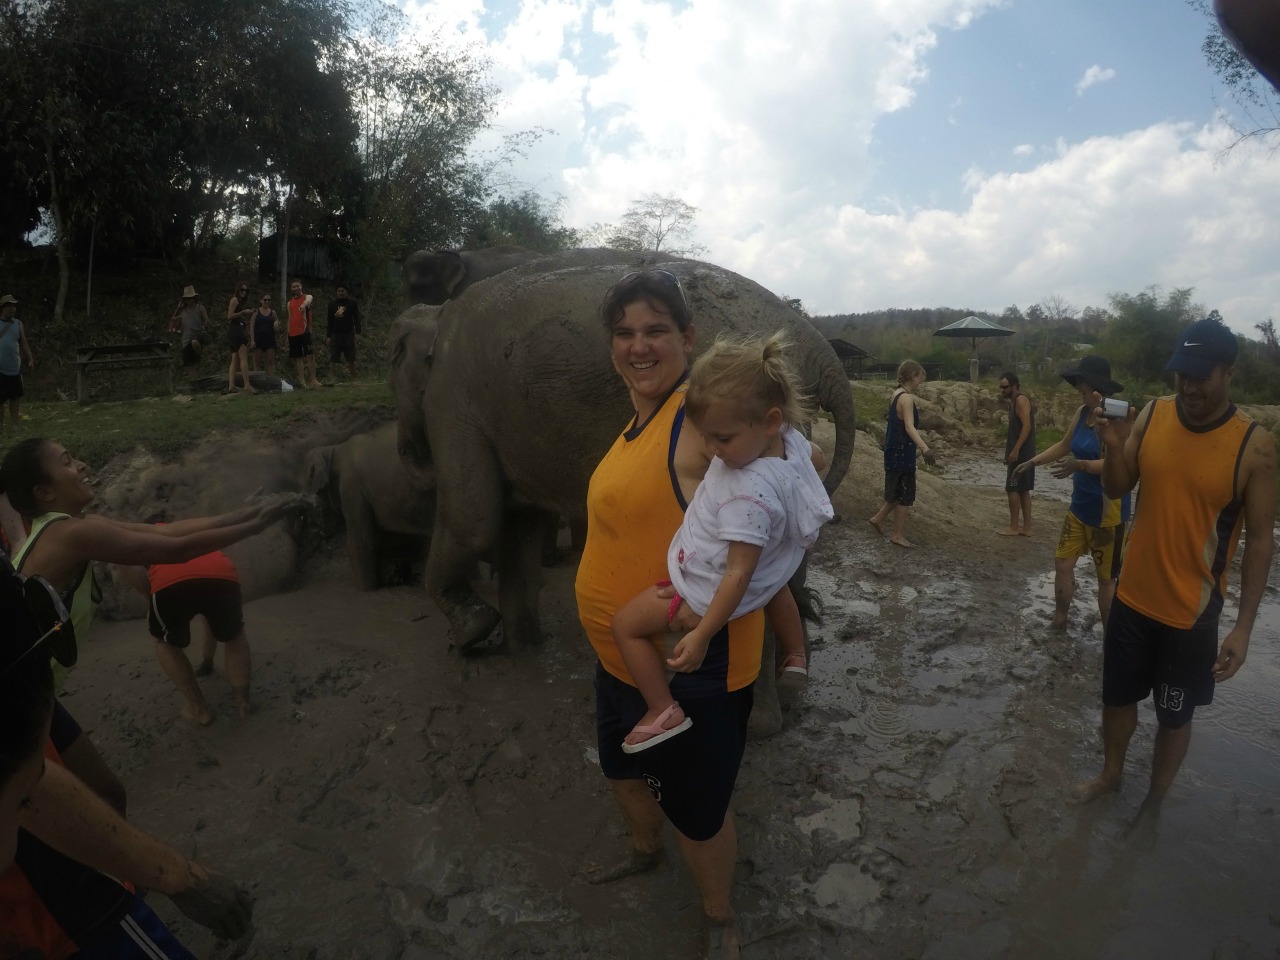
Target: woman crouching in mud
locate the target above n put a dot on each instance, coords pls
(50, 489)
(635, 504)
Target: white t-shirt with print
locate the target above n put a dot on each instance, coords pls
(775, 503)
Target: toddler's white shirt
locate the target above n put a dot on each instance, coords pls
(776, 503)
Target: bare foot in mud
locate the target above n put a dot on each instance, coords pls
(1090, 790)
(204, 668)
(1059, 622)
(244, 707)
(201, 718)
(1007, 532)
(901, 542)
(638, 862)
(1024, 532)
(724, 939)
(879, 529)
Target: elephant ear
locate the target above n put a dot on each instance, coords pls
(452, 269)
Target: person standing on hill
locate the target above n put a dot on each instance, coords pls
(14, 351)
(1019, 447)
(1206, 471)
(192, 319)
(301, 349)
(238, 337)
(343, 330)
(263, 333)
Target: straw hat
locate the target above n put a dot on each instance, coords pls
(189, 293)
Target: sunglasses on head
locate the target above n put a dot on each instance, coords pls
(664, 278)
(52, 624)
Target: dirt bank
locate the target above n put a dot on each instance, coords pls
(390, 800)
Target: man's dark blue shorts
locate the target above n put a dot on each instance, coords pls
(1142, 656)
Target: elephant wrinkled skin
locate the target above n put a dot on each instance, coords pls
(510, 394)
(434, 276)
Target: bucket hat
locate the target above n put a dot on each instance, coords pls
(1095, 371)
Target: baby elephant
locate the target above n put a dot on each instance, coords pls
(364, 478)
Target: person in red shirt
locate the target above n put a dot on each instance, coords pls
(209, 587)
(301, 349)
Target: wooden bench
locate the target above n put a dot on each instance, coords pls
(154, 354)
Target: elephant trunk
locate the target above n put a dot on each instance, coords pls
(836, 397)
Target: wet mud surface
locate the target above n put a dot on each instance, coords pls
(390, 799)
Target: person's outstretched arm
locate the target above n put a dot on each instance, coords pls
(67, 816)
(99, 538)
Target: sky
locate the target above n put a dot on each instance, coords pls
(897, 153)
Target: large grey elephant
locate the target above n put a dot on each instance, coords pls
(509, 393)
(434, 276)
(363, 478)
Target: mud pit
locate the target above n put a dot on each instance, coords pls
(391, 800)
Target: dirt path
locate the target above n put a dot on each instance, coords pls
(391, 800)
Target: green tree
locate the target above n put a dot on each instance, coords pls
(524, 220)
(1270, 342)
(1145, 328)
(1257, 100)
(418, 107)
(657, 223)
(147, 125)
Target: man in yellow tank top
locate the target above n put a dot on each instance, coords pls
(1206, 470)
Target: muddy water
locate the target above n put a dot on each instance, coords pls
(1202, 882)
(965, 467)
(390, 800)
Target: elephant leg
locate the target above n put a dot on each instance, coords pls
(362, 538)
(766, 711)
(520, 574)
(549, 531)
(467, 527)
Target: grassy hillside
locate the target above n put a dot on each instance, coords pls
(134, 304)
(167, 426)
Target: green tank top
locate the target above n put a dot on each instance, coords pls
(81, 598)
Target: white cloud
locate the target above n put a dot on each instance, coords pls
(1112, 214)
(1093, 76)
(765, 117)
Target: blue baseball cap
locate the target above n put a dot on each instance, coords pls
(1204, 345)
